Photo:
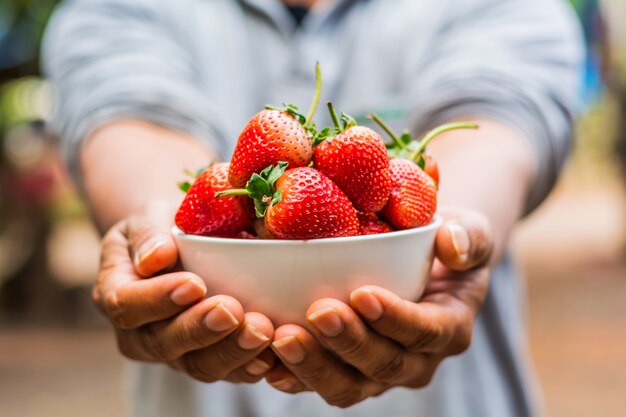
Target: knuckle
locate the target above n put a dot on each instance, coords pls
(228, 355)
(344, 399)
(117, 312)
(96, 297)
(424, 336)
(316, 375)
(190, 334)
(422, 380)
(196, 368)
(352, 348)
(152, 343)
(462, 340)
(126, 348)
(389, 369)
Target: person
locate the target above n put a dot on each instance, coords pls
(147, 88)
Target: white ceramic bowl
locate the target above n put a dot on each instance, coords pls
(281, 278)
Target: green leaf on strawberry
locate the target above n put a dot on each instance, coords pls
(341, 124)
(290, 109)
(184, 186)
(261, 188)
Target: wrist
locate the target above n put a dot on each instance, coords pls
(489, 170)
(129, 165)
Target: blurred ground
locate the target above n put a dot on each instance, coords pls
(571, 250)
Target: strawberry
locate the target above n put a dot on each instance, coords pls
(405, 147)
(356, 159)
(372, 225)
(413, 199)
(301, 203)
(202, 214)
(273, 135)
(431, 167)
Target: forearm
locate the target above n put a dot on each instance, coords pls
(489, 170)
(127, 164)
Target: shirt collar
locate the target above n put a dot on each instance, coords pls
(275, 10)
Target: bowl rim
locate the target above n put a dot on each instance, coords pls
(435, 224)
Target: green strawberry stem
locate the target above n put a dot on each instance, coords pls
(387, 129)
(333, 116)
(316, 96)
(436, 132)
(261, 188)
(237, 191)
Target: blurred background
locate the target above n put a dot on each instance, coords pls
(58, 357)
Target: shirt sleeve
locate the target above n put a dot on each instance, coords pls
(120, 59)
(517, 61)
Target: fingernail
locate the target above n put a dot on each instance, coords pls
(327, 321)
(282, 384)
(257, 367)
(187, 293)
(367, 304)
(251, 338)
(290, 349)
(460, 239)
(147, 249)
(219, 319)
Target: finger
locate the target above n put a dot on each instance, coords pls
(131, 303)
(379, 358)
(333, 380)
(255, 369)
(151, 246)
(464, 241)
(281, 378)
(419, 327)
(217, 361)
(200, 326)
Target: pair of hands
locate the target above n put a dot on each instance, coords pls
(349, 352)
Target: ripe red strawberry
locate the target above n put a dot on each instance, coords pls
(270, 136)
(431, 167)
(356, 159)
(312, 207)
(372, 225)
(273, 135)
(405, 147)
(301, 203)
(413, 199)
(202, 214)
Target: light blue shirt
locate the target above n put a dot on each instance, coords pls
(205, 66)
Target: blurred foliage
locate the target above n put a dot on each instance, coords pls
(22, 23)
(23, 99)
(594, 160)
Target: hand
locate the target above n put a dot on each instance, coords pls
(379, 341)
(166, 318)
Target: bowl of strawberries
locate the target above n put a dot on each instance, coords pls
(300, 213)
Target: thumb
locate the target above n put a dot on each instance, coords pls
(464, 241)
(150, 242)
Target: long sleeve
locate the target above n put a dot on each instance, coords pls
(515, 61)
(112, 59)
